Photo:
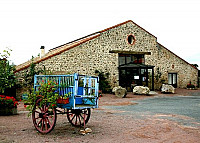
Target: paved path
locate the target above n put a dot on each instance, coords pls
(183, 109)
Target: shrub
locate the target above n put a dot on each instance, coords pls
(7, 77)
(104, 84)
(9, 102)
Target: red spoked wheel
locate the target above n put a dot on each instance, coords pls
(76, 117)
(44, 118)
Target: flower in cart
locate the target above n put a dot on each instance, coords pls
(7, 101)
(46, 91)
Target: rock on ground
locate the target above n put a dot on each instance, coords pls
(167, 88)
(141, 90)
(120, 91)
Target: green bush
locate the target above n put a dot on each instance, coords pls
(7, 77)
(104, 84)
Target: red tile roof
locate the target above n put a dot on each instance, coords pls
(125, 23)
(56, 51)
(62, 48)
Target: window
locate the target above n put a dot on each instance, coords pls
(138, 59)
(172, 79)
(131, 39)
(122, 59)
(128, 58)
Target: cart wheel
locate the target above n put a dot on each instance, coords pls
(44, 119)
(76, 117)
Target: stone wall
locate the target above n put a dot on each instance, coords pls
(94, 55)
(171, 63)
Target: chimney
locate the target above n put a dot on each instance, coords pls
(42, 51)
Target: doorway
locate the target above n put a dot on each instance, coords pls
(129, 77)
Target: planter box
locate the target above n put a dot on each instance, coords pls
(8, 111)
(62, 101)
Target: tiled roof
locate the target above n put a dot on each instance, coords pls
(62, 48)
(57, 51)
(123, 24)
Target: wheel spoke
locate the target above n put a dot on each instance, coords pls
(82, 116)
(40, 108)
(47, 108)
(44, 107)
(36, 118)
(79, 120)
(39, 122)
(76, 121)
(42, 124)
(46, 127)
(49, 122)
(73, 118)
(37, 111)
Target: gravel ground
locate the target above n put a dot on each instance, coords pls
(107, 125)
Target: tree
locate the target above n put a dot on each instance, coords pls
(29, 75)
(7, 77)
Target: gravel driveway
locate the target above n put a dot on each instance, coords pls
(108, 125)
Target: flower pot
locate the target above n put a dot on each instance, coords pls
(8, 111)
(62, 101)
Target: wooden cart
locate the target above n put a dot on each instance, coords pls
(83, 91)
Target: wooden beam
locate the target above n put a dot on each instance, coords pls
(130, 52)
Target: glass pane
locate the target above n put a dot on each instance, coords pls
(128, 59)
(140, 59)
(169, 78)
(134, 59)
(121, 60)
(174, 78)
(150, 78)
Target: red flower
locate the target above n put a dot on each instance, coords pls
(53, 105)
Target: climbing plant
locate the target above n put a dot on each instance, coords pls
(29, 75)
(104, 84)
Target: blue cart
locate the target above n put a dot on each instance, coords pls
(83, 95)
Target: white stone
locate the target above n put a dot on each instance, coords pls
(115, 88)
(120, 92)
(141, 90)
(167, 88)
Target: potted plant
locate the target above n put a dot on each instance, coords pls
(63, 99)
(190, 86)
(8, 105)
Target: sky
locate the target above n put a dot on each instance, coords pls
(26, 25)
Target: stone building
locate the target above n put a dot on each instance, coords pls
(128, 52)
